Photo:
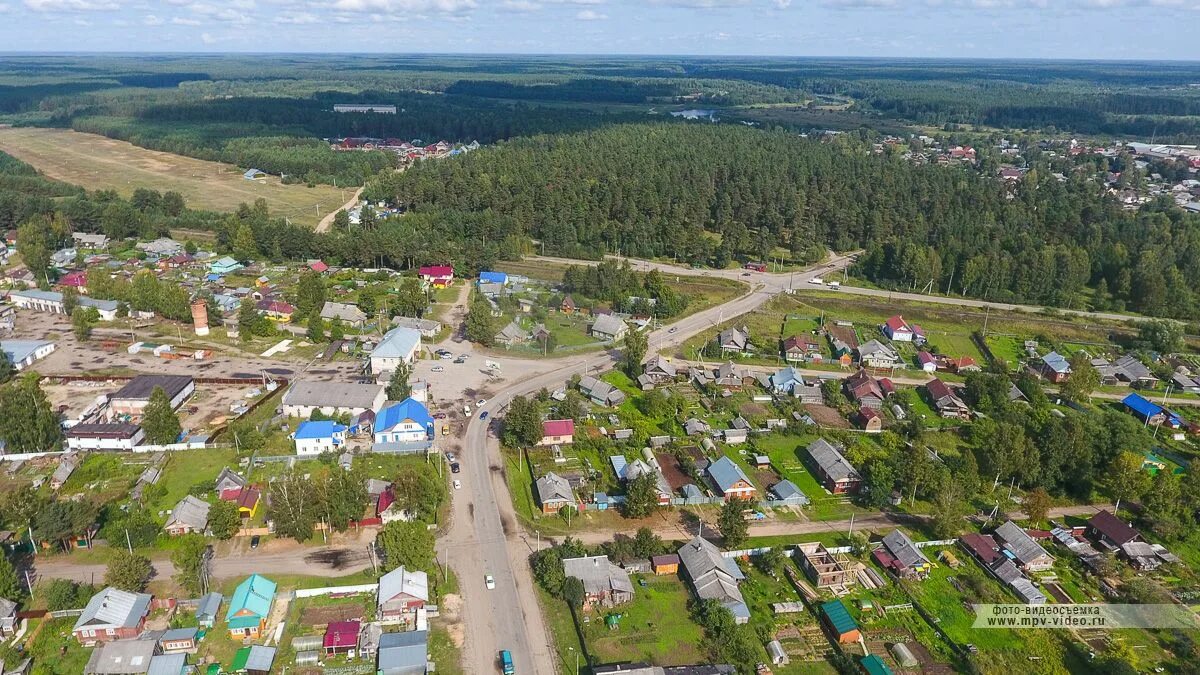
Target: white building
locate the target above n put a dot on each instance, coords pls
(314, 438)
(52, 302)
(23, 353)
(398, 346)
(304, 397)
(114, 436)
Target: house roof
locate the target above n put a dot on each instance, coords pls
(876, 349)
(665, 559)
(512, 331)
(342, 634)
(343, 311)
(493, 277)
(408, 410)
(122, 657)
(114, 608)
(399, 342)
(209, 605)
(190, 511)
(558, 428)
(7, 607)
(402, 581)
(140, 387)
(786, 378)
(903, 549)
(657, 362)
(1020, 543)
(608, 324)
(253, 595)
(323, 394)
(168, 664)
(436, 271)
(786, 489)
(1057, 362)
(1113, 528)
(599, 576)
(713, 575)
(982, 546)
(838, 617)
(1133, 368)
(726, 473)
(1140, 405)
(318, 429)
(403, 652)
(897, 323)
(232, 476)
(732, 337)
(104, 430)
(420, 325)
(552, 487)
(260, 658)
(833, 464)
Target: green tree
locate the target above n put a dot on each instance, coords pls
(60, 521)
(248, 319)
(1165, 508)
(646, 543)
(316, 328)
(406, 544)
(1036, 505)
(522, 423)
(224, 520)
(159, 421)
(310, 293)
(70, 298)
(548, 570)
(245, 248)
(1161, 335)
(1125, 478)
(732, 523)
(83, 319)
(128, 571)
(1084, 379)
(188, 559)
(11, 587)
(66, 594)
(294, 506)
(398, 388)
(28, 423)
(641, 496)
(35, 247)
(342, 494)
(419, 492)
(633, 351)
(573, 593)
(336, 330)
(135, 527)
(481, 326)
(341, 221)
(6, 367)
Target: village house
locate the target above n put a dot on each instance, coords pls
(315, 437)
(404, 653)
(946, 401)
(87, 240)
(122, 657)
(1149, 412)
(609, 327)
(730, 480)
(902, 557)
(341, 637)
(398, 346)
(802, 347)
(276, 310)
(600, 392)
(604, 583)
(897, 329)
(229, 480)
(247, 500)
(62, 473)
(428, 328)
(175, 640)
(864, 390)
(223, 266)
(832, 469)
(1054, 367)
(189, 515)
(208, 609)
(714, 577)
(250, 607)
(869, 420)
(660, 369)
(557, 432)
(437, 276)
(404, 426)
(733, 341)
(567, 306)
(8, 617)
(1028, 554)
(1110, 531)
(112, 614)
(928, 362)
(350, 315)
(875, 354)
(823, 567)
(554, 492)
(401, 593)
(512, 334)
(786, 493)
(388, 510)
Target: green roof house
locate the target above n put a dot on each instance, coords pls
(250, 607)
(840, 623)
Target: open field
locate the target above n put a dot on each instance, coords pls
(99, 163)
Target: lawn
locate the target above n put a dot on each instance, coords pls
(99, 163)
(188, 468)
(55, 651)
(655, 627)
(789, 457)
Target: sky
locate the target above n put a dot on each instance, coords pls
(1072, 29)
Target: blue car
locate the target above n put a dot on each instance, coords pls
(483, 415)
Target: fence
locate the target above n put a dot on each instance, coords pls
(171, 447)
(334, 590)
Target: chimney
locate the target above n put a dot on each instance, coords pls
(200, 316)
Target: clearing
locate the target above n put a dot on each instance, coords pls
(99, 163)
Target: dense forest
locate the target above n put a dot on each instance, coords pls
(710, 195)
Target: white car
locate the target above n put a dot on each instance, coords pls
(490, 582)
(480, 403)
(438, 369)
(458, 485)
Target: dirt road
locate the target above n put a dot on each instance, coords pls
(327, 221)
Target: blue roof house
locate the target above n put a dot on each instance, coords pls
(225, 265)
(731, 480)
(1150, 412)
(405, 426)
(785, 493)
(493, 278)
(785, 381)
(315, 437)
(250, 607)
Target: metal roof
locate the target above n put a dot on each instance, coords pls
(398, 343)
(726, 473)
(598, 574)
(140, 387)
(831, 461)
(322, 394)
(1020, 543)
(838, 617)
(114, 607)
(403, 653)
(400, 580)
(408, 410)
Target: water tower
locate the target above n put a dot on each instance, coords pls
(200, 316)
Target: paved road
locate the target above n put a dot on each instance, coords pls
(484, 537)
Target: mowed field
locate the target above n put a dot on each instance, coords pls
(99, 163)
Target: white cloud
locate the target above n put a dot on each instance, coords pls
(589, 15)
(404, 6)
(181, 21)
(151, 20)
(72, 5)
(4, 8)
(519, 6)
(701, 4)
(223, 14)
(297, 18)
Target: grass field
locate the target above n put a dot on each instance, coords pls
(99, 163)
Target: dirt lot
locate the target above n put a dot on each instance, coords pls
(100, 163)
(826, 416)
(207, 409)
(323, 616)
(675, 476)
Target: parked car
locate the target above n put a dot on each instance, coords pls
(255, 541)
(490, 582)
(458, 485)
(460, 360)
(454, 468)
(450, 457)
(439, 415)
(483, 415)
(480, 403)
(438, 369)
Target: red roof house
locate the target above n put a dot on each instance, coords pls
(557, 432)
(74, 279)
(247, 500)
(438, 276)
(276, 309)
(318, 266)
(897, 329)
(341, 637)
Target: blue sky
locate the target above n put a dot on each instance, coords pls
(1086, 29)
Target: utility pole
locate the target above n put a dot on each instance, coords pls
(128, 545)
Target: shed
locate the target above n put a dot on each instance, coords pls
(904, 656)
(874, 665)
(775, 650)
(665, 564)
(307, 658)
(304, 643)
(840, 623)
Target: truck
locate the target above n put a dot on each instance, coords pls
(816, 280)
(506, 664)
(835, 285)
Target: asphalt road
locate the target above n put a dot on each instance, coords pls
(485, 538)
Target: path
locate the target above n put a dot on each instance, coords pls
(327, 221)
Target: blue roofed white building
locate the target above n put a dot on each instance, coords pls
(785, 381)
(404, 426)
(785, 491)
(315, 437)
(23, 353)
(223, 266)
(398, 346)
(493, 278)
